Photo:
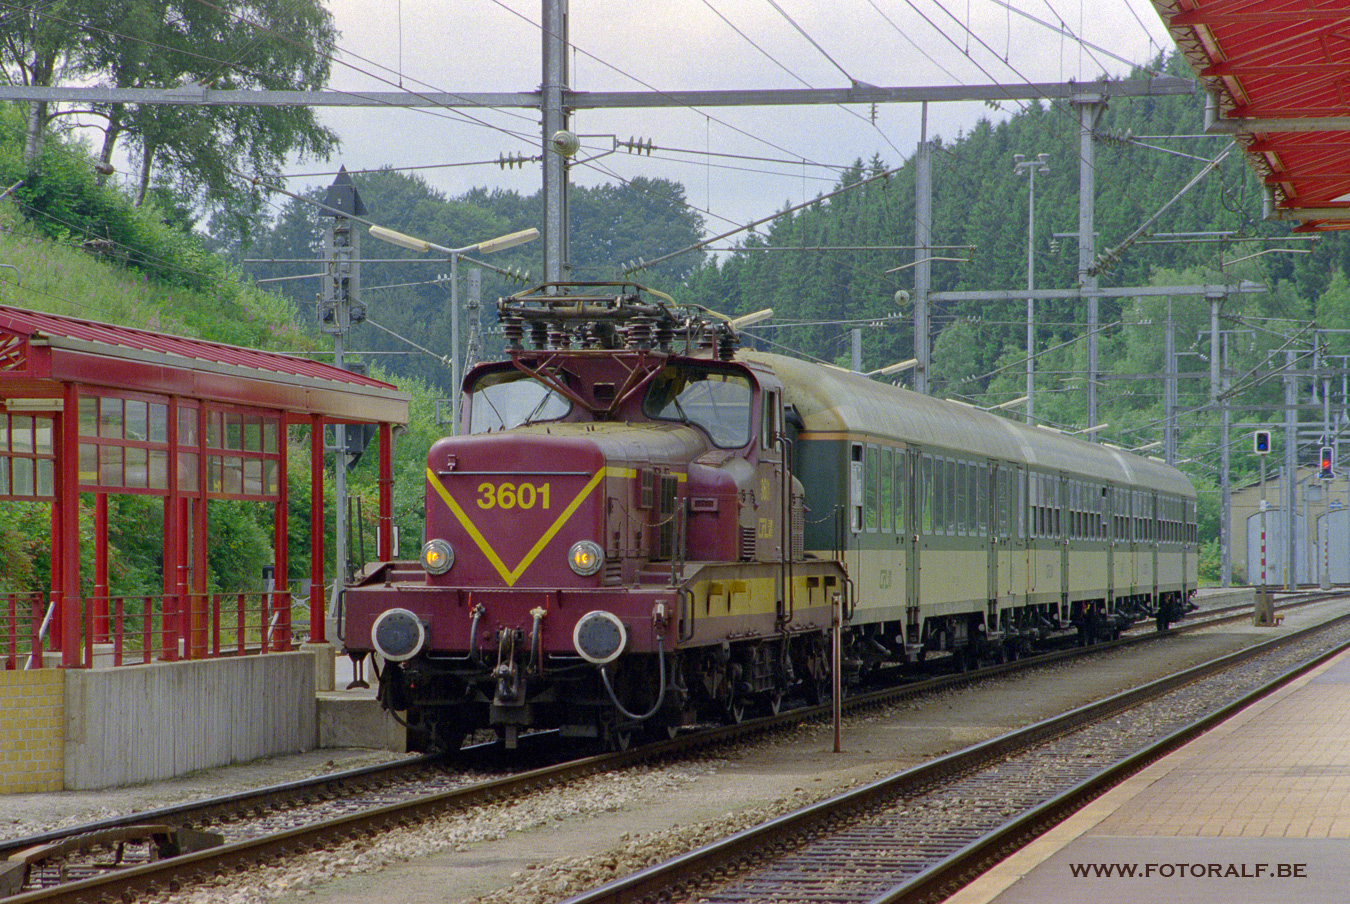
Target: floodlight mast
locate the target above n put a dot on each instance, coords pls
(740, 323)
(1011, 403)
(422, 246)
(897, 367)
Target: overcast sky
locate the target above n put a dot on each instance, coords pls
(494, 45)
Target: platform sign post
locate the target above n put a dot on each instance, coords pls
(1261, 446)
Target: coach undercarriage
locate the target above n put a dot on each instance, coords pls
(655, 694)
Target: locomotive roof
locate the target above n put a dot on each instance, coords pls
(831, 400)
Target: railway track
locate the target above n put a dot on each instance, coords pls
(261, 825)
(917, 836)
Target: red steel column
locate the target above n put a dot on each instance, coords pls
(68, 473)
(316, 594)
(173, 526)
(99, 604)
(280, 536)
(54, 544)
(193, 622)
(385, 552)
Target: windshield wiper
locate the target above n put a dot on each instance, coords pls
(537, 408)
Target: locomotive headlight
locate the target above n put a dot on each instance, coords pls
(586, 557)
(437, 556)
(398, 635)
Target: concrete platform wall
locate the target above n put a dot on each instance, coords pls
(150, 722)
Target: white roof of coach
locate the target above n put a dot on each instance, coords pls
(831, 400)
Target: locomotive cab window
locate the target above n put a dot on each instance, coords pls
(717, 401)
(769, 422)
(505, 399)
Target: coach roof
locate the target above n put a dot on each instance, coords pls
(832, 400)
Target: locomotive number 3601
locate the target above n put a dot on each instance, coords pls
(511, 495)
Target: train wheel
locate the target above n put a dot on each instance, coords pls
(618, 739)
(735, 711)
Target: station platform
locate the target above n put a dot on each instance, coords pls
(350, 715)
(1256, 810)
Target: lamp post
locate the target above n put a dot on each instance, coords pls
(1031, 167)
(501, 243)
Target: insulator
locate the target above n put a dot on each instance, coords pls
(640, 332)
(726, 345)
(665, 334)
(559, 337)
(513, 331)
(539, 334)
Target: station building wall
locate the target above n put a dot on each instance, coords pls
(32, 731)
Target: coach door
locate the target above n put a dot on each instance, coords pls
(1062, 535)
(1108, 498)
(990, 505)
(908, 524)
(1152, 515)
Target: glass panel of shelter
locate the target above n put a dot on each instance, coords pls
(125, 447)
(26, 456)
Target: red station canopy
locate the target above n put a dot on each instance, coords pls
(88, 407)
(1278, 73)
(39, 352)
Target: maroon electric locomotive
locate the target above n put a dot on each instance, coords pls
(615, 543)
(645, 527)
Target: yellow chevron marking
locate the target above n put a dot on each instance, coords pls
(508, 575)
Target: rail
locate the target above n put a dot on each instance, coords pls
(242, 854)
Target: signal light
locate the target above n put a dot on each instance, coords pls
(1261, 442)
(1324, 463)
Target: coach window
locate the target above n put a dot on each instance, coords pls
(871, 478)
(1021, 504)
(951, 514)
(884, 489)
(942, 516)
(1047, 507)
(1042, 507)
(856, 487)
(1002, 500)
(1080, 510)
(982, 499)
(1054, 486)
(954, 507)
(1072, 508)
(973, 495)
(1034, 505)
(928, 494)
(975, 523)
(939, 496)
(900, 483)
